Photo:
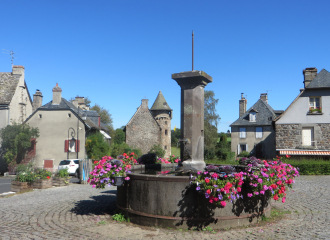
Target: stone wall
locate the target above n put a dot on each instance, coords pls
(142, 131)
(289, 136)
(164, 120)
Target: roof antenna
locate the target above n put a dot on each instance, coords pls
(12, 55)
(192, 50)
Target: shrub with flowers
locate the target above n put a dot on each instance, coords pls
(172, 159)
(106, 169)
(269, 178)
(316, 109)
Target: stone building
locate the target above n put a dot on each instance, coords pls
(149, 127)
(253, 131)
(304, 128)
(15, 100)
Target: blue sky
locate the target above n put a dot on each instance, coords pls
(117, 52)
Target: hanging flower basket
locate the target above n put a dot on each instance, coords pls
(119, 181)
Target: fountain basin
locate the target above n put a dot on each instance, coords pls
(170, 201)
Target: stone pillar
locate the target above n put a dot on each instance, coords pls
(192, 85)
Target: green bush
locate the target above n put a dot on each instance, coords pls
(209, 153)
(310, 166)
(63, 173)
(26, 177)
(244, 154)
(42, 173)
(96, 146)
(158, 150)
(118, 149)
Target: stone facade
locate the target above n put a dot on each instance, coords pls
(289, 136)
(149, 127)
(142, 131)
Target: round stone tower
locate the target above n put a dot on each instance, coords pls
(162, 113)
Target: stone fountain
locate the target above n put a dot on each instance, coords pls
(169, 200)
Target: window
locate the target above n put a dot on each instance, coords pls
(72, 145)
(252, 116)
(69, 115)
(166, 122)
(40, 115)
(242, 132)
(258, 132)
(165, 147)
(165, 132)
(241, 148)
(315, 104)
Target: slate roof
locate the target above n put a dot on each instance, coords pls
(322, 80)
(264, 112)
(8, 84)
(160, 103)
(66, 105)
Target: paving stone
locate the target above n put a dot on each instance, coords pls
(73, 212)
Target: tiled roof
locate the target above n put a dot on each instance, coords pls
(8, 84)
(322, 80)
(304, 152)
(160, 103)
(264, 112)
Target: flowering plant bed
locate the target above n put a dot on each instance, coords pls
(171, 159)
(317, 109)
(42, 183)
(17, 186)
(269, 178)
(106, 169)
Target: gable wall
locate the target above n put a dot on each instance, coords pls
(53, 131)
(142, 131)
(20, 105)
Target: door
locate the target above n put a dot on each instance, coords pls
(307, 136)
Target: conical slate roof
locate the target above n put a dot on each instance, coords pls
(160, 103)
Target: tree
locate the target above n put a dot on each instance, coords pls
(211, 119)
(96, 146)
(16, 139)
(175, 136)
(118, 136)
(104, 114)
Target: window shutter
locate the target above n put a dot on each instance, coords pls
(238, 149)
(77, 145)
(247, 148)
(66, 145)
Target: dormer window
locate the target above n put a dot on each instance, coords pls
(252, 116)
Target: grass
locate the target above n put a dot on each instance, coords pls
(175, 151)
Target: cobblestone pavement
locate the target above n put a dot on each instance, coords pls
(80, 212)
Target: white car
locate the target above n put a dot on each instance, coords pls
(72, 165)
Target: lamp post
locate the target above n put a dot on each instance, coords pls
(73, 134)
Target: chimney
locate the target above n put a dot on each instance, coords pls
(264, 97)
(144, 104)
(309, 75)
(57, 95)
(37, 100)
(242, 105)
(19, 70)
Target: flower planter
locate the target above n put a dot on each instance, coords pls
(20, 186)
(59, 182)
(119, 181)
(42, 183)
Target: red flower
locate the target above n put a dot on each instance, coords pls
(96, 162)
(207, 180)
(48, 177)
(287, 156)
(275, 197)
(208, 191)
(223, 203)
